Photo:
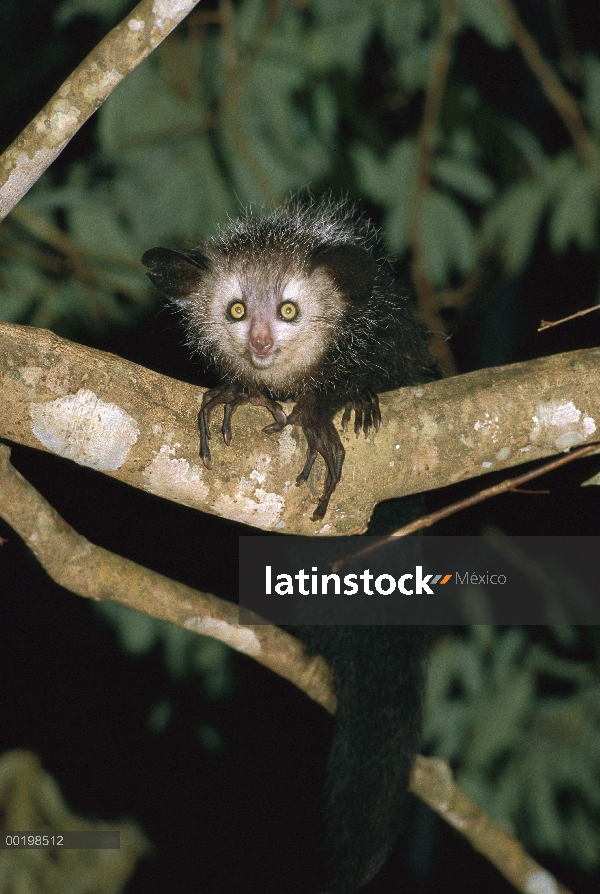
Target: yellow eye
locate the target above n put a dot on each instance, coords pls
(288, 311)
(237, 310)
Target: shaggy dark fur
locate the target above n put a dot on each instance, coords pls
(379, 673)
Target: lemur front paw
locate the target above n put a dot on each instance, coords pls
(366, 413)
(232, 396)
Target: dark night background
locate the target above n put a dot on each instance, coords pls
(246, 818)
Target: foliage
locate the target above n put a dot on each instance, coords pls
(248, 107)
(521, 725)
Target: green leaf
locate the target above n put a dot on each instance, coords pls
(486, 17)
(340, 44)
(542, 807)
(505, 711)
(143, 110)
(513, 221)
(95, 226)
(172, 191)
(325, 110)
(448, 239)
(507, 655)
(412, 67)
(583, 839)
(462, 143)
(387, 181)
(591, 75)
(104, 9)
(249, 16)
(402, 21)
(22, 285)
(464, 177)
(370, 172)
(137, 632)
(210, 738)
(269, 137)
(574, 214)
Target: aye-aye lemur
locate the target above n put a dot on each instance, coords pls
(294, 305)
(298, 304)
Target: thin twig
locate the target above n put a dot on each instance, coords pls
(232, 104)
(438, 75)
(47, 232)
(566, 106)
(268, 23)
(546, 324)
(563, 34)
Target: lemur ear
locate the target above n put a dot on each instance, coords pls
(177, 274)
(351, 267)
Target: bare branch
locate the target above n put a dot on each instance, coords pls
(565, 104)
(438, 75)
(547, 324)
(432, 780)
(95, 573)
(83, 92)
(131, 423)
(232, 104)
(503, 487)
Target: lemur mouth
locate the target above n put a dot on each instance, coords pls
(262, 358)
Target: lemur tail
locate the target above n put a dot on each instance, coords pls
(379, 673)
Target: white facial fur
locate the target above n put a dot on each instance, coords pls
(263, 348)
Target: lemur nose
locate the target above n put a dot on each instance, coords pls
(261, 340)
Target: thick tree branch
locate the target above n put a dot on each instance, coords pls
(95, 573)
(503, 487)
(141, 427)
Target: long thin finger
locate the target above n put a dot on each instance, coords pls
(358, 418)
(347, 415)
(204, 436)
(311, 455)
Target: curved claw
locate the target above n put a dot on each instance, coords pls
(347, 415)
(204, 438)
(228, 412)
(274, 427)
(358, 419)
